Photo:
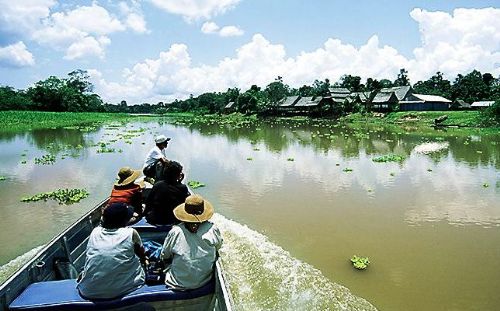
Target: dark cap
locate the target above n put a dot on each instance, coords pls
(116, 215)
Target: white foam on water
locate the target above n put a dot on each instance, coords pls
(263, 276)
(12, 266)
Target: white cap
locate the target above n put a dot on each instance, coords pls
(161, 139)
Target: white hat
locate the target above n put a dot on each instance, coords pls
(161, 139)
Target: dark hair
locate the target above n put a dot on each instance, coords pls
(171, 171)
(116, 215)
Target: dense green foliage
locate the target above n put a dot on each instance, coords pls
(74, 94)
(389, 158)
(193, 184)
(360, 263)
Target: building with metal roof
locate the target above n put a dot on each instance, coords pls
(421, 102)
(482, 104)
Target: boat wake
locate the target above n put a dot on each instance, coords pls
(263, 276)
(12, 266)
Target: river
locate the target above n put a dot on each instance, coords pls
(295, 200)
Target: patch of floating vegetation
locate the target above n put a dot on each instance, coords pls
(486, 185)
(3, 178)
(195, 184)
(389, 158)
(46, 159)
(249, 159)
(62, 196)
(290, 159)
(347, 170)
(360, 263)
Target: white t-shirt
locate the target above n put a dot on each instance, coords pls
(154, 155)
(193, 255)
(111, 267)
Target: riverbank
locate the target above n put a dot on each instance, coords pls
(29, 120)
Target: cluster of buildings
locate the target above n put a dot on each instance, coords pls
(401, 98)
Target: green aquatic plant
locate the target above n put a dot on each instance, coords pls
(3, 178)
(62, 196)
(347, 170)
(485, 185)
(360, 263)
(389, 158)
(195, 184)
(249, 159)
(290, 159)
(106, 150)
(46, 159)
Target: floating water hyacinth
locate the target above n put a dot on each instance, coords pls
(62, 196)
(2, 178)
(360, 263)
(195, 184)
(485, 185)
(47, 159)
(347, 170)
(290, 159)
(389, 158)
(249, 159)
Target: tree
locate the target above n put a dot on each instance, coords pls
(436, 85)
(470, 87)
(11, 99)
(275, 91)
(321, 88)
(384, 83)
(373, 84)
(353, 83)
(402, 79)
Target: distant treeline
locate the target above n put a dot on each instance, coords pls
(75, 94)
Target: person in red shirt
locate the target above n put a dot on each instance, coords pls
(128, 192)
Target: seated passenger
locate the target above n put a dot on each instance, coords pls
(112, 265)
(126, 191)
(156, 158)
(165, 195)
(192, 245)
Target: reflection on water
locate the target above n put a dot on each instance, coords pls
(310, 187)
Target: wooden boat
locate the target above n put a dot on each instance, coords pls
(41, 285)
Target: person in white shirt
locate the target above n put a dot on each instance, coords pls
(156, 157)
(113, 257)
(192, 245)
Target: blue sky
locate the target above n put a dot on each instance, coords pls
(155, 50)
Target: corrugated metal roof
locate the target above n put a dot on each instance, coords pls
(384, 97)
(432, 98)
(304, 102)
(483, 103)
(229, 105)
(289, 101)
(399, 91)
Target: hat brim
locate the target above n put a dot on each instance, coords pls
(130, 179)
(163, 141)
(181, 214)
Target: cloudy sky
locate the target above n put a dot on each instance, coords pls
(154, 50)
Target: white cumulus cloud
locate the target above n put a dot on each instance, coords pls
(451, 43)
(196, 9)
(23, 16)
(16, 55)
(226, 31)
(455, 43)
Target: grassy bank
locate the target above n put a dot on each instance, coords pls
(28, 120)
(419, 118)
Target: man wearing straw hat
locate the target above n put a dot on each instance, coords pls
(192, 245)
(125, 190)
(156, 158)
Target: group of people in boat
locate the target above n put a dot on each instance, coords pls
(116, 261)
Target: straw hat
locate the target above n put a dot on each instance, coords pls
(195, 209)
(161, 139)
(127, 176)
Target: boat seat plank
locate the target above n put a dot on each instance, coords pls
(63, 295)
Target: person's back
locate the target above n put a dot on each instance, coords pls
(192, 245)
(165, 195)
(112, 268)
(193, 255)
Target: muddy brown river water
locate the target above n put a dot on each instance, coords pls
(297, 200)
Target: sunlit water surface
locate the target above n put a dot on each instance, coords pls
(309, 195)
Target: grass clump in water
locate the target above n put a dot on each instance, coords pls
(62, 196)
(389, 158)
(2, 178)
(195, 184)
(47, 159)
(360, 263)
